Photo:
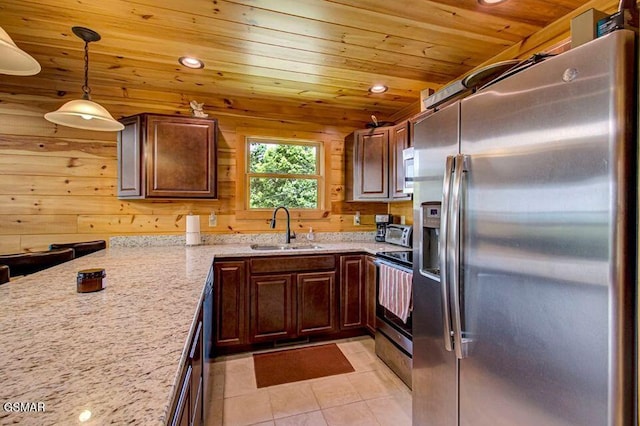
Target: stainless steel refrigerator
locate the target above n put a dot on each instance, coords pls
(525, 221)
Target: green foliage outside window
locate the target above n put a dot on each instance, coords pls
(283, 174)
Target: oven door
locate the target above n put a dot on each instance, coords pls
(398, 331)
(394, 344)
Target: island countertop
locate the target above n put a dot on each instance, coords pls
(115, 353)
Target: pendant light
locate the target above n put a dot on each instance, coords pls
(84, 113)
(15, 61)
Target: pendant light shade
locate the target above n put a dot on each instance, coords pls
(84, 113)
(13, 60)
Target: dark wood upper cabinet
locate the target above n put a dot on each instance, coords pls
(371, 164)
(374, 164)
(161, 156)
(398, 142)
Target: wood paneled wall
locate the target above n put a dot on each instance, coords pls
(58, 184)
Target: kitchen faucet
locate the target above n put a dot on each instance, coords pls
(273, 223)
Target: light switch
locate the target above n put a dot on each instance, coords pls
(213, 220)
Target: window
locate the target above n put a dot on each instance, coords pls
(283, 172)
(282, 167)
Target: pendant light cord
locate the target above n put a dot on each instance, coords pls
(85, 88)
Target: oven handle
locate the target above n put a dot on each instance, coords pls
(379, 262)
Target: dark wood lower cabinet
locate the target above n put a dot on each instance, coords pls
(272, 307)
(286, 306)
(316, 303)
(230, 303)
(352, 311)
(266, 299)
(370, 280)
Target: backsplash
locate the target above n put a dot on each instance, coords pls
(210, 239)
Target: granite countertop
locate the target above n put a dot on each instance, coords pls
(117, 352)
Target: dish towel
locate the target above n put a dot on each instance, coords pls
(394, 291)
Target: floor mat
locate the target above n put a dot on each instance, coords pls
(293, 365)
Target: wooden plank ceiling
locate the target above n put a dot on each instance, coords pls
(283, 54)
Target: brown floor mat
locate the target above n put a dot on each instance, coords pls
(293, 365)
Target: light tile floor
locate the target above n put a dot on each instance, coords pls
(372, 395)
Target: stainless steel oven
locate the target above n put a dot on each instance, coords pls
(394, 341)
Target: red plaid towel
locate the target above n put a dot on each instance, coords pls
(394, 292)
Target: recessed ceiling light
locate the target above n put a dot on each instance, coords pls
(378, 88)
(490, 2)
(191, 62)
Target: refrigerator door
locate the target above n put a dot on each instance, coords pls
(434, 368)
(546, 274)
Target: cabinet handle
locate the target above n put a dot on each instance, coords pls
(186, 384)
(196, 339)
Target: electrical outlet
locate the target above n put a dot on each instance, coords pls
(213, 220)
(356, 219)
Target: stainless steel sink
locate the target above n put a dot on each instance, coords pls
(273, 247)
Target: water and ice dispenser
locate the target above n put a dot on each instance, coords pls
(429, 259)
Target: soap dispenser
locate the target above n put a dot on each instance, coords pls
(311, 236)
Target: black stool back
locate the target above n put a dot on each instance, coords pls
(4, 274)
(82, 248)
(28, 263)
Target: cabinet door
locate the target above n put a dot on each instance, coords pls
(316, 303)
(371, 168)
(230, 288)
(399, 141)
(370, 277)
(130, 166)
(352, 314)
(272, 310)
(181, 157)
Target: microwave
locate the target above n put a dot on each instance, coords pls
(399, 234)
(407, 162)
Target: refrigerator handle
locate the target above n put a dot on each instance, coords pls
(442, 254)
(453, 255)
